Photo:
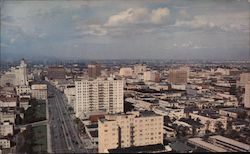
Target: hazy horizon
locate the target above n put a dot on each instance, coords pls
(108, 29)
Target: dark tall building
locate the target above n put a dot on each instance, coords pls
(56, 73)
(94, 70)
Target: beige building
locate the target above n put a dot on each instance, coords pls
(6, 128)
(130, 129)
(98, 95)
(229, 144)
(126, 72)
(244, 78)
(152, 76)
(210, 121)
(247, 95)
(179, 76)
(8, 101)
(7, 116)
(39, 91)
(4, 143)
(16, 76)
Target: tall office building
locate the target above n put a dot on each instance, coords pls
(98, 95)
(129, 130)
(94, 70)
(244, 78)
(247, 95)
(179, 76)
(17, 76)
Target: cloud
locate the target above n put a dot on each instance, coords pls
(196, 22)
(138, 15)
(159, 14)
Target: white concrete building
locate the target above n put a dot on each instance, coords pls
(23, 89)
(70, 93)
(98, 95)
(39, 91)
(130, 129)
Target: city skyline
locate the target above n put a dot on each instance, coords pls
(130, 30)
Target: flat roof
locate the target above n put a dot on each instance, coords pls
(199, 141)
(235, 110)
(139, 149)
(231, 141)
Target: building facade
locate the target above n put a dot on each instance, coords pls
(39, 91)
(98, 95)
(130, 129)
(94, 70)
(179, 76)
(247, 95)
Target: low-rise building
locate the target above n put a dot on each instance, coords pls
(229, 144)
(130, 129)
(210, 121)
(4, 143)
(8, 101)
(6, 128)
(203, 146)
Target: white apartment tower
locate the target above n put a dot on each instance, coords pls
(23, 74)
(98, 95)
(128, 130)
(247, 95)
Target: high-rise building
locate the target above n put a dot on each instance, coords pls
(22, 74)
(98, 95)
(128, 130)
(94, 70)
(56, 73)
(247, 95)
(244, 78)
(17, 76)
(179, 76)
(152, 76)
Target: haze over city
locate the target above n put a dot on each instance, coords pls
(118, 29)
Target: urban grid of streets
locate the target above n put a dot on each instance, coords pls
(64, 134)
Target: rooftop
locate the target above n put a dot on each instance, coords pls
(139, 149)
(231, 141)
(207, 145)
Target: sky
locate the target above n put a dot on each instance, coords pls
(126, 29)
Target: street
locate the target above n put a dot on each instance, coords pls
(64, 135)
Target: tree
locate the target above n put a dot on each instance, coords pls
(219, 127)
(242, 115)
